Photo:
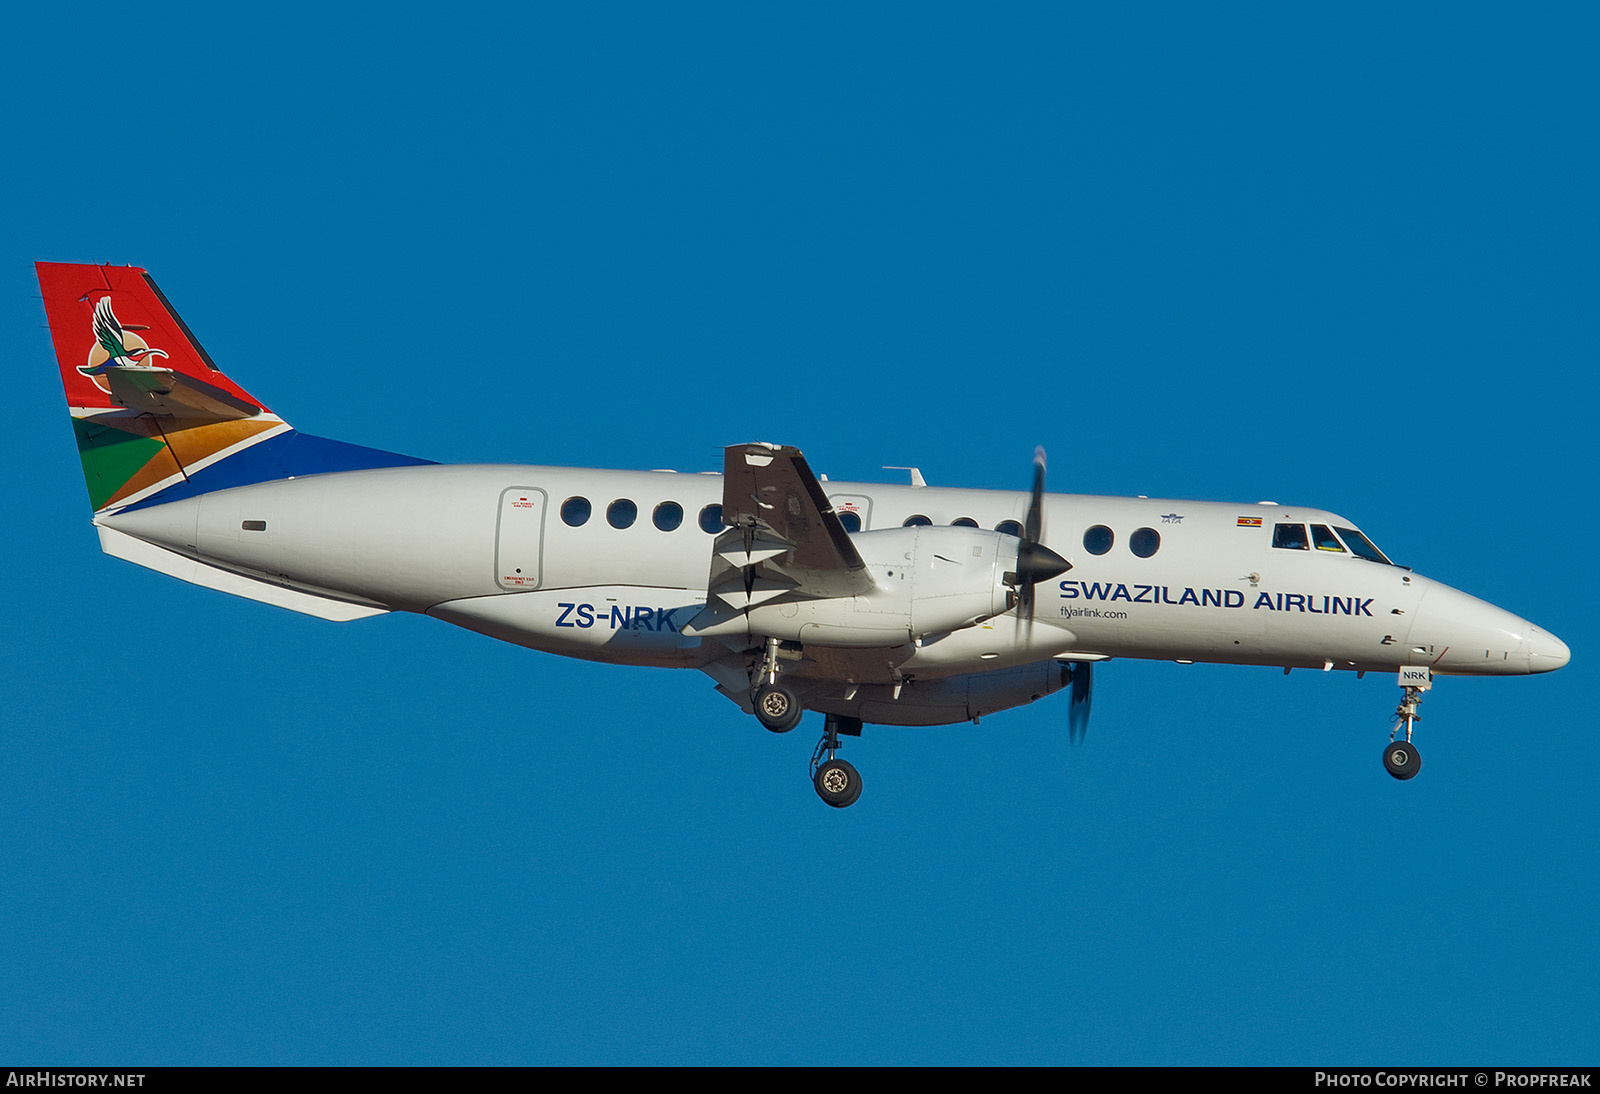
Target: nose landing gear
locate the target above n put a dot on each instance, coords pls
(1401, 758)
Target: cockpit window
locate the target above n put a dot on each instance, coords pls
(1291, 537)
(1324, 538)
(1361, 546)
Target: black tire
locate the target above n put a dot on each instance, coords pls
(1402, 760)
(838, 783)
(777, 707)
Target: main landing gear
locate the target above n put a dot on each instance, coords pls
(776, 705)
(837, 781)
(778, 708)
(1401, 758)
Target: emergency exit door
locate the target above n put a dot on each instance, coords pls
(519, 538)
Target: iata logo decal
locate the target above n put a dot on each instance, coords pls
(116, 346)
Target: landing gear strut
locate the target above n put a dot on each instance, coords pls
(776, 705)
(837, 781)
(1401, 758)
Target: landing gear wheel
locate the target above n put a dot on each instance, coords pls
(1402, 760)
(777, 707)
(838, 783)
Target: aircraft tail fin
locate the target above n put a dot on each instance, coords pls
(151, 412)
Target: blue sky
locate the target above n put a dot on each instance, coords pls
(1338, 257)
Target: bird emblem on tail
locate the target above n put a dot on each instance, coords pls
(115, 346)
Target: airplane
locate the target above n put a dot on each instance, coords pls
(908, 604)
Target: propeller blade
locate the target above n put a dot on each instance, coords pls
(1082, 696)
(1035, 561)
(1024, 602)
(1033, 523)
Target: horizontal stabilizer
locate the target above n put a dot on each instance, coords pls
(150, 390)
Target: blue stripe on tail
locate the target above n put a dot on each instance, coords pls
(292, 453)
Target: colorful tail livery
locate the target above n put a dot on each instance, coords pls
(153, 416)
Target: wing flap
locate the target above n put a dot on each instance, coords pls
(740, 594)
(771, 500)
(783, 542)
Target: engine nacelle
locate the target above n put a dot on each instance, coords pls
(925, 581)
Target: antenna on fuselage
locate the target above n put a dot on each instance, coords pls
(916, 474)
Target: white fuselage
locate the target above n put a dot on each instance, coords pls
(486, 547)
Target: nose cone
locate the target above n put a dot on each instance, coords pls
(1546, 652)
(1460, 635)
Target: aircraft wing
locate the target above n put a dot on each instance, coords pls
(783, 540)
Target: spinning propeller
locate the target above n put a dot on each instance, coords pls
(1078, 712)
(1036, 563)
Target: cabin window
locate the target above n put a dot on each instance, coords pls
(622, 513)
(850, 520)
(575, 511)
(1009, 528)
(711, 519)
(668, 515)
(1324, 538)
(963, 522)
(1099, 539)
(1145, 542)
(1290, 537)
(917, 521)
(1361, 546)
